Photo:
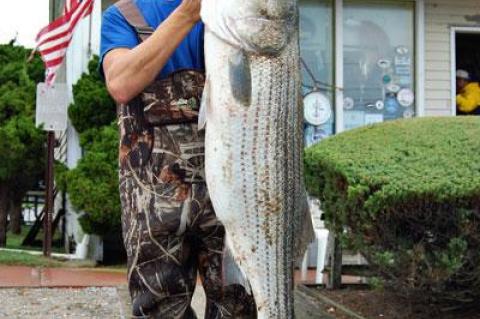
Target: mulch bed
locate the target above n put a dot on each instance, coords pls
(372, 304)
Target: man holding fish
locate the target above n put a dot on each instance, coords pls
(153, 63)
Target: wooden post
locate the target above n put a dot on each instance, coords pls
(335, 275)
(3, 215)
(47, 220)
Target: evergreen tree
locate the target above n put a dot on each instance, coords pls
(22, 150)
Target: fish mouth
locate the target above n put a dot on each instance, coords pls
(261, 34)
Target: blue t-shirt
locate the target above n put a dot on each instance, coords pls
(118, 33)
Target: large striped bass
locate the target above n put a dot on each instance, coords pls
(253, 148)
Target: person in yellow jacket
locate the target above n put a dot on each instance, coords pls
(468, 94)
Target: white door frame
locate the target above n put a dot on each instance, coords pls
(453, 61)
(420, 57)
(338, 60)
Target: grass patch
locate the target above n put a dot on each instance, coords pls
(14, 241)
(24, 259)
(10, 258)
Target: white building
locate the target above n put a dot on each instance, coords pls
(85, 43)
(373, 60)
(375, 55)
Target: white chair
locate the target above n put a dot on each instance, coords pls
(321, 241)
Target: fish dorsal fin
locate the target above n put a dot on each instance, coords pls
(204, 106)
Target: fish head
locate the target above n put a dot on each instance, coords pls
(258, 26)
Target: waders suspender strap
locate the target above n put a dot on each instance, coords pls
(135, 18)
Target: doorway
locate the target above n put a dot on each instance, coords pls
(465, 56)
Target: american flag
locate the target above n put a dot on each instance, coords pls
(54, 39)
(69, 4)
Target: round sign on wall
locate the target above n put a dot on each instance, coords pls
(393, 87)
(348, 103)
(317, 108)
(386, 79)
(408, 114)
(405, 97)
(384, 63)
(402, 50)
(379, 105)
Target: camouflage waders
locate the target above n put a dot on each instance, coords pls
(170, 230)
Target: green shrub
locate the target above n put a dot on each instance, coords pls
(61, 175)
(93, 105)
(93, 184)
(407, 195)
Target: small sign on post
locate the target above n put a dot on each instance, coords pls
(51, 112)
(52, 102)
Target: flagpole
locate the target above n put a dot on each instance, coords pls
(52, 10)
(90, 35)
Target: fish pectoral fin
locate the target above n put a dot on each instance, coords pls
(204, 106)
(233, 274)
(304, 230)
(240, 77)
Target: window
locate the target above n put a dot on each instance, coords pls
(316, 50)
(378, 48)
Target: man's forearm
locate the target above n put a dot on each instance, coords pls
(130, 72)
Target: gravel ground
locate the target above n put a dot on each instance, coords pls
(92, 303)
(60, 303)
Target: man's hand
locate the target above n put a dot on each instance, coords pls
(190, 9)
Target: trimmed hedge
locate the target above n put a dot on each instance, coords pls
(407, 195)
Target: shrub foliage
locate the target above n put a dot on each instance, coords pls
(93, 184)
(407, 195)
(93, 105)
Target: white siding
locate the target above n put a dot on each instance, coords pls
(440, 16)
(85, 43)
